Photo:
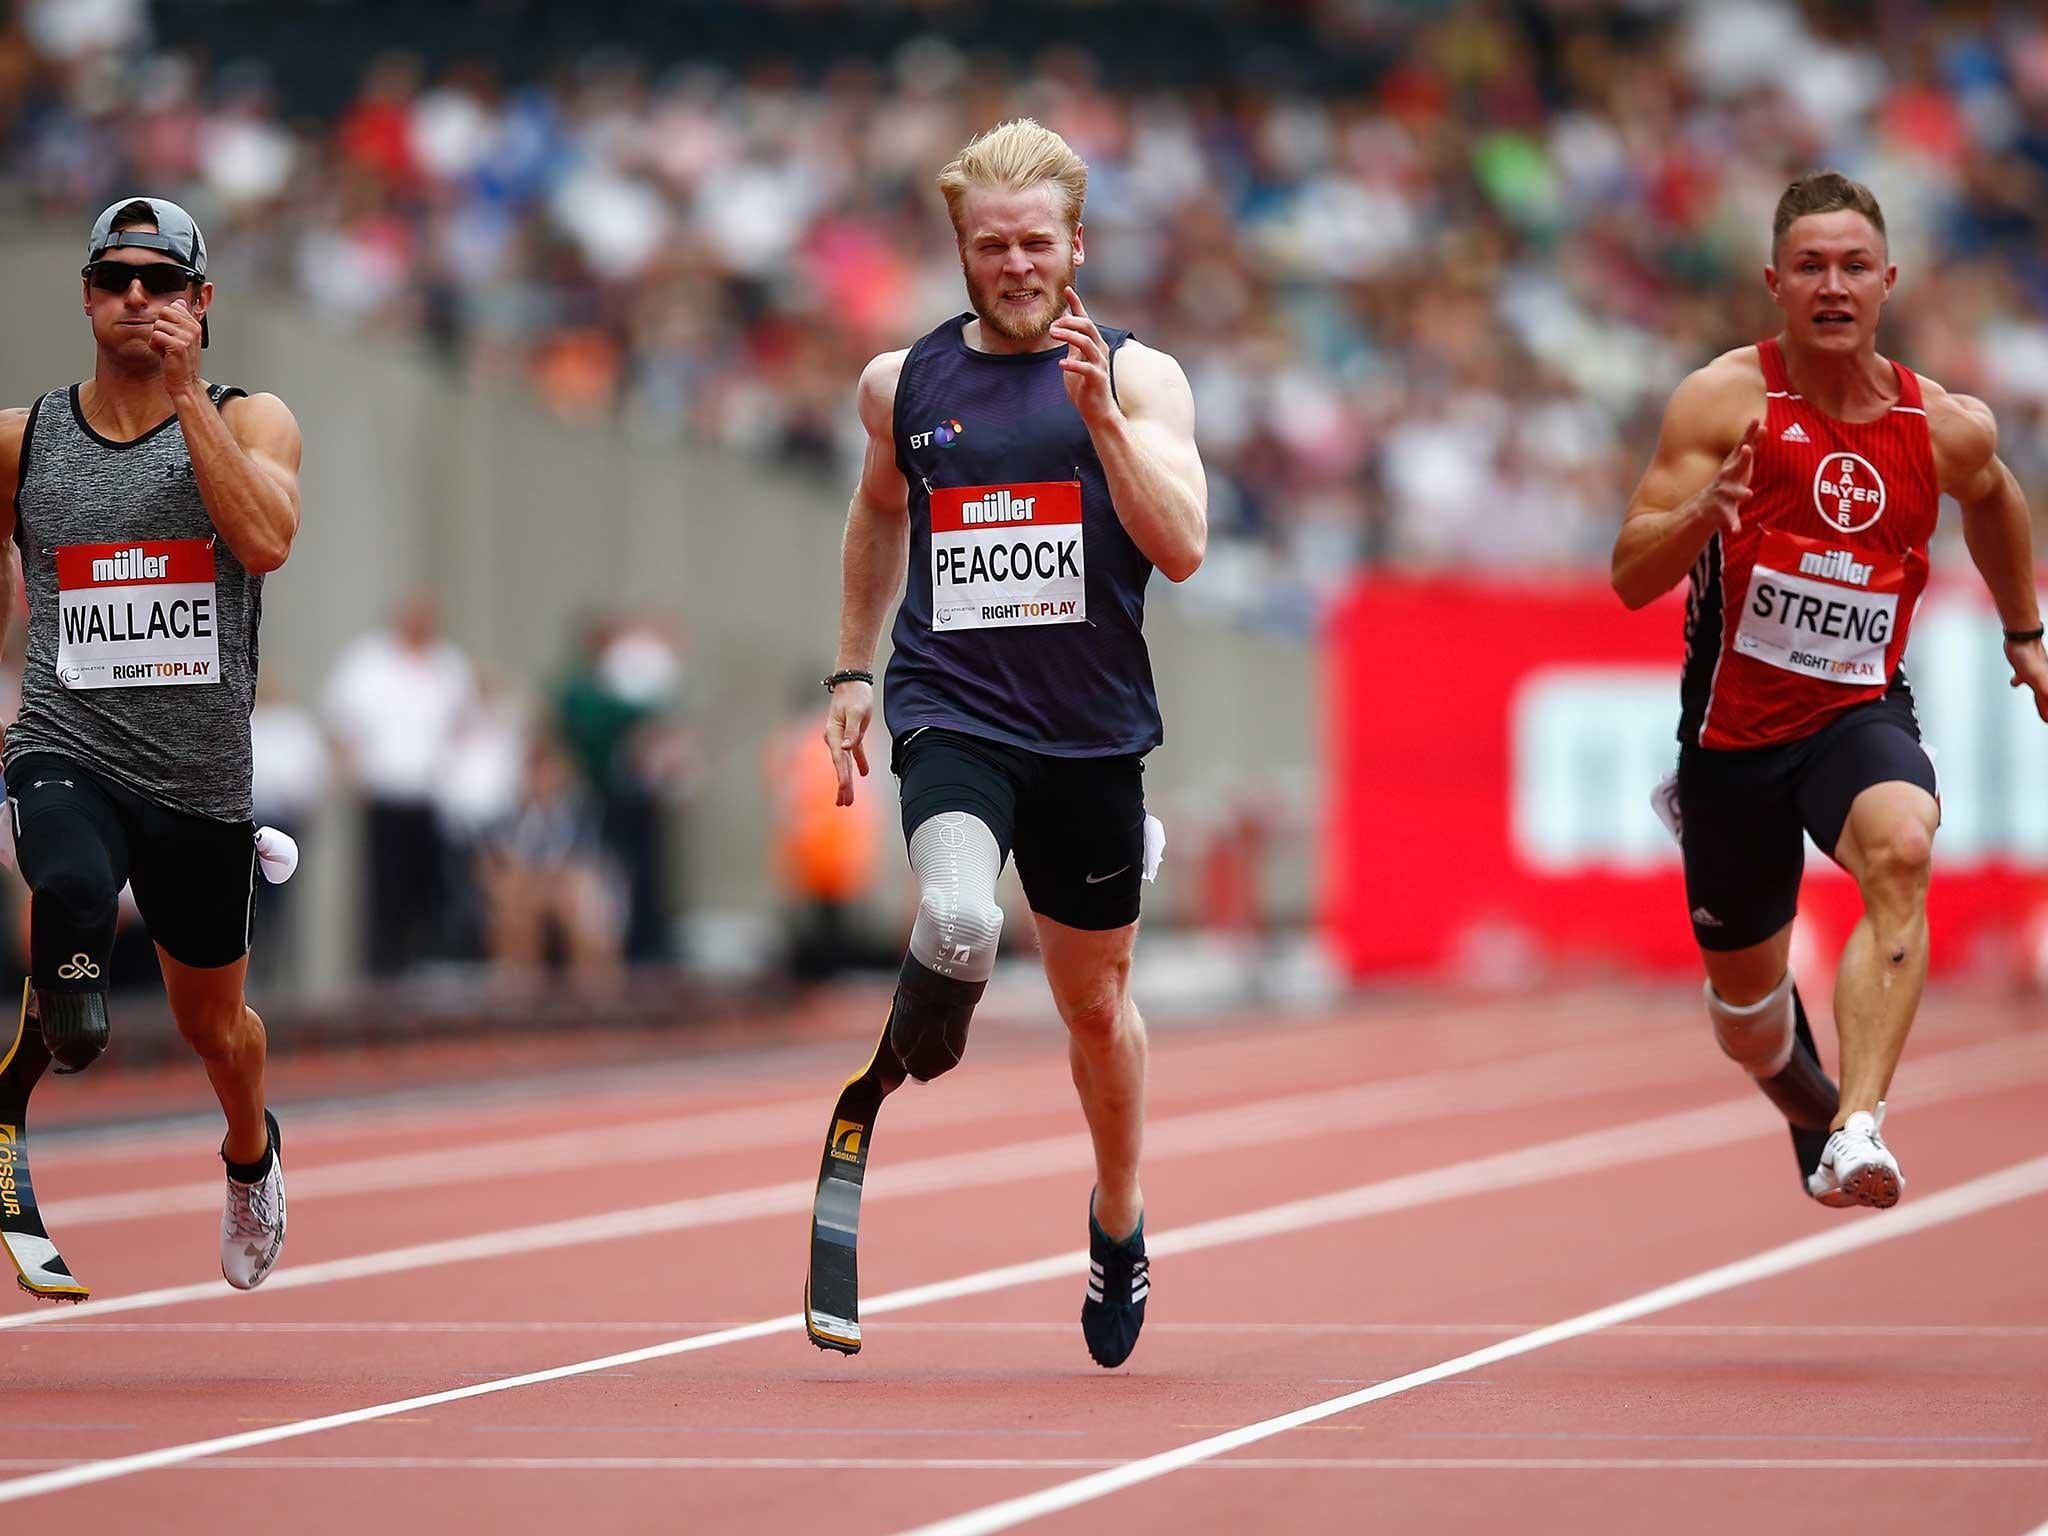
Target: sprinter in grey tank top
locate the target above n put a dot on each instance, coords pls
(147, 506)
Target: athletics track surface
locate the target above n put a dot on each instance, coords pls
(1368, 1214)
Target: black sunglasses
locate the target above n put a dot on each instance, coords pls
(157, 277)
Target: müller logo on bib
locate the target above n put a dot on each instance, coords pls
(1849, 492)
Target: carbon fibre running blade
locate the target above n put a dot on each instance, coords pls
(832, 1287)
(832, 1290)
(38, 1266)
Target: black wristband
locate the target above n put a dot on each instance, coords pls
(2023, 636)
(851, 675)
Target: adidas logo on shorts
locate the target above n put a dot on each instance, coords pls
(1704, 918)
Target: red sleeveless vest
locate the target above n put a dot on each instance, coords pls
(1803, 612)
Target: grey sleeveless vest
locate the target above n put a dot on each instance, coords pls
(183, 746)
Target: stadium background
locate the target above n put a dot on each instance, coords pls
(570, 306)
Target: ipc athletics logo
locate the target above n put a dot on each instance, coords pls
(1847, 492)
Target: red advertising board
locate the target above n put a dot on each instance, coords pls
(1491, 752)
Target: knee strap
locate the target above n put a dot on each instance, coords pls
(75, 1027)
(928, 1024)
(1758, 1035)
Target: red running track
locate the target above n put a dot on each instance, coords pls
(1336, 1205)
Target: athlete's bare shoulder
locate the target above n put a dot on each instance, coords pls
(1963, 430)
(1714, 403)
(13, 427)
(877, 392)
(259, 416)
(1145, 373)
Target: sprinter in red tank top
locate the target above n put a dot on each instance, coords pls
(1796, 483)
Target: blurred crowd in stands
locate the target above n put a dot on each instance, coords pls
(1430, 307)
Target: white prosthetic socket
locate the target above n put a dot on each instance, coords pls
(1759, 1036)
(952, 942)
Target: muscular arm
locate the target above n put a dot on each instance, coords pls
(872, 560)
(877, 544)
(1144, 434)
(246, 459)
(1996, 526)
(1696, 482)
(13, 426)
(1148, 453)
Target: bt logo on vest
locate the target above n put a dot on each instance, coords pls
(943, 434)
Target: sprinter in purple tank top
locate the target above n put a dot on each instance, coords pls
(147, 505)
(1026, 470)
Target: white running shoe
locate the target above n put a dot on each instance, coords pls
(252, 1222)
(1858, 1168)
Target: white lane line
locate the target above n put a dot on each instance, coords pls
(1011, 1083)
(1079, 1464)
(1162, 1326)
(1294, 1117)
(2020, 1182)
(1996, 1066)
(1561, 1075)
(1396, 1330)
(1485, 1175)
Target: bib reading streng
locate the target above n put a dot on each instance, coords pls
(1819, 610)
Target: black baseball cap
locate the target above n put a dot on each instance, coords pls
(177, 236)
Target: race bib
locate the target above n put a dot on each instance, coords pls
(1820, 610)
(1011, 554)
(137, 615)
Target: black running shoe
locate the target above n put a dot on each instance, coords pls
(1119, 1280)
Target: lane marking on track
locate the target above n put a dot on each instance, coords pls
(1294, 1117)
(2001, 1064)
(2019, 1182)
(1078, 1464)
(609, 1094)
(923, 1325)
(1689, 1131)
(1546, 1078)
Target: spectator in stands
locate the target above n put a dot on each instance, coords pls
(394, 702)
(616, 713)
(550, 891)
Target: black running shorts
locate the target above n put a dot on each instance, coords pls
(1743, 813)
(194, 879)
(1076, 824)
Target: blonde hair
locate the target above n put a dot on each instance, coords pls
(1015, 156)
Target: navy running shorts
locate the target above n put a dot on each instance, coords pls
(1075, 824)
(194, 878)
(1744, 813)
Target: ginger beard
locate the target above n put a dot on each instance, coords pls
(1010, 319)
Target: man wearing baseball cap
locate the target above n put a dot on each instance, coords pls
(147, 504)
